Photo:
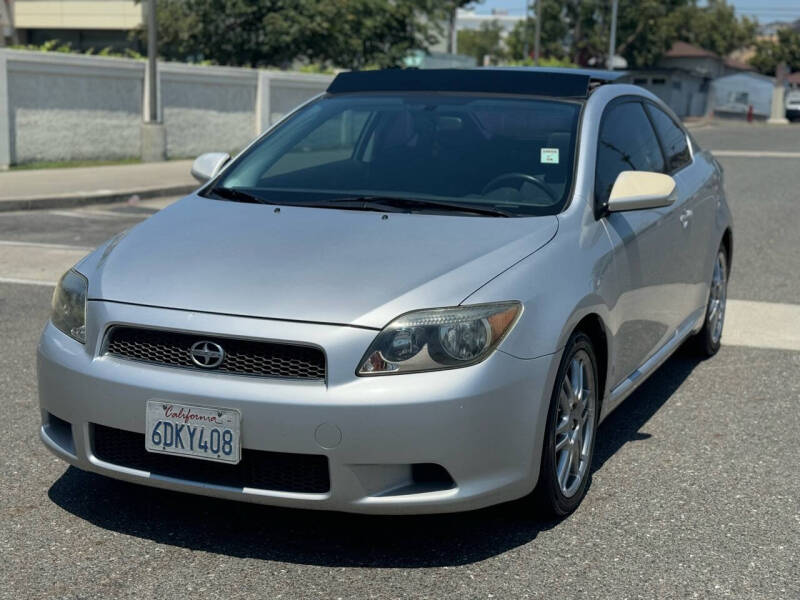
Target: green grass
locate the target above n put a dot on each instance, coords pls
(66, 164)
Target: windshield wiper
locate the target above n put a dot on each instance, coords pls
(238, 195)
(408, 204)
(366, 202)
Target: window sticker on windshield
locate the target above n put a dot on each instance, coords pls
(549, 156)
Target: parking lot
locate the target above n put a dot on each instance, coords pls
(695, 491)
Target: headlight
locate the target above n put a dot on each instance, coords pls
(440, 338)
(69, 305)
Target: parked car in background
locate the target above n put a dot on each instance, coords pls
(420, 292)
(793, 105)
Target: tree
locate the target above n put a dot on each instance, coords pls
(555, 28)
(485, 41)
(578, 30)
(714, 27)
(258, 33)
(770, 53)
(646, 29)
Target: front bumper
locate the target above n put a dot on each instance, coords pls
(483, 424)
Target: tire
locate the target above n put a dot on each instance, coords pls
(561, 485)
(708, 340)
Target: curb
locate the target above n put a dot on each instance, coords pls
(83, 198)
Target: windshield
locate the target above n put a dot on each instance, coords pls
(512, 155)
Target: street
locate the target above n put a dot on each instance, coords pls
(695, 489)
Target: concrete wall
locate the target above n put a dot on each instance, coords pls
(60, 107)
(63, 107)
(685, 93)
(207, 109)
(734, 94)
(280, 92)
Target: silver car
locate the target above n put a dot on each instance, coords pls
(420, 292)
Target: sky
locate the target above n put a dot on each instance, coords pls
(765, 11)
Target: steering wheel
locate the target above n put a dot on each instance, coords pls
(495, 183)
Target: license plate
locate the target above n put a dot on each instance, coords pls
(196, 431)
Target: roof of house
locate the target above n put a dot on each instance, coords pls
(794, 77)
(745, 76)
(686, 50)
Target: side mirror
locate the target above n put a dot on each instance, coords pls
(206, 166)
(638, 190)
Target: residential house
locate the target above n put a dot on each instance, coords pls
(683, 76)
(733, 95)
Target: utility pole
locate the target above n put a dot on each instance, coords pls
(152, 52)
(537, 36)
(612, 39)
(154, 135)
(7, 23)
(451, 29)
(525, 31)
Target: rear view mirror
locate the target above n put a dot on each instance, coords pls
(206, 166)
(638, 190)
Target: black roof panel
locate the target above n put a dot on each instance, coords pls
(495, 81)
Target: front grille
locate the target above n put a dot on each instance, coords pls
(242, 357)
(277, 471)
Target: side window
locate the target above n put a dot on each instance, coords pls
(626, 143)
(676, 148)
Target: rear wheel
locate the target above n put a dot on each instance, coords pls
(570, 433)
(709, 338)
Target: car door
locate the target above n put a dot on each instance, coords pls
(696, 207)
(648, 307)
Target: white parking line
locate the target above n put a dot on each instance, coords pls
(755, 154)
(762, 325)
(27, 281)
(35, 262)
(81, 214)
(99, 214)
(747, 323)
(45, 246)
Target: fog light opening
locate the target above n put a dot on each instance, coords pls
(432, 476)
(60, 431)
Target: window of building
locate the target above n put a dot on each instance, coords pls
(738, 98)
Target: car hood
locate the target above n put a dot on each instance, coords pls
(309, 264)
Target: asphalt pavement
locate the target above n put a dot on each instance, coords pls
(695, 491)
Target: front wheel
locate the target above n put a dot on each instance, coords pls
(709, 338)
(570, 433)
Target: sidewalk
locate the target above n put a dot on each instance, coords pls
(59, 188)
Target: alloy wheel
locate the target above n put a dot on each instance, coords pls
(575, 424)
(717, 298)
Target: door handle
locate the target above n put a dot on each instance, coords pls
(685, 217)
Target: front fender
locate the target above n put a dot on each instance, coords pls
(562, 283)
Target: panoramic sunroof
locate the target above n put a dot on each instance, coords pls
(494, 81)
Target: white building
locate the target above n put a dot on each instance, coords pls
(469, 19)
(83, 24)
